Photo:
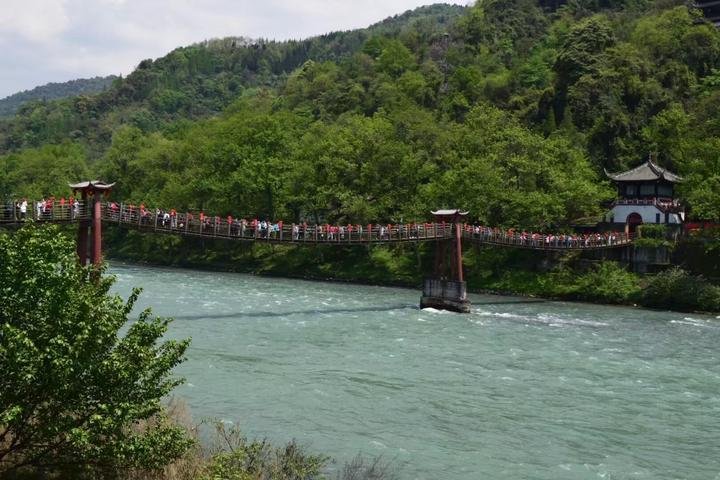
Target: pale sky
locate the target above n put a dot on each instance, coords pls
(45, 41)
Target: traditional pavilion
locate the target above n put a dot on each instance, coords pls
(646, 194)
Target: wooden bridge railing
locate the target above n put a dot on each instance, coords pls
(56, 212)
(594, 241)
(238, 229)
(215, 227)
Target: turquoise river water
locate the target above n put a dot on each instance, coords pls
(517, 389)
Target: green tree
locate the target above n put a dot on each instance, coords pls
(38, 172)
(582, 47)
(395, 58)
(73, 391)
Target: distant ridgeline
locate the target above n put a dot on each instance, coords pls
(54, 91)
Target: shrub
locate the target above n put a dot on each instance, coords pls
(677, 289)
(653, 235)
(236, 458)
(605, 282)
(608, 282)
(650, 230)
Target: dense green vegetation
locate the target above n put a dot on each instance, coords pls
(76, 396)
(510, 109)
(53, 91)
(200, 80)
(606, 282)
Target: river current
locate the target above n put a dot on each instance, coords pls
(518, 389)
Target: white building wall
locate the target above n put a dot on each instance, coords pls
(648, 213)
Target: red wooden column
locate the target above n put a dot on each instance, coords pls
(82, 236)
(97, 230)
(457, 252)
(91, 193)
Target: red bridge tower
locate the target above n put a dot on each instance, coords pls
(447, 290)
(91, 195)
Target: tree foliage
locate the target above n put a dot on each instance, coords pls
(509, 108)
(74, 391)
(84, 86)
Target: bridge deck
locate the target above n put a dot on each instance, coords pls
(187, 224)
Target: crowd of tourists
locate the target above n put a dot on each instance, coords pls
(262, 228)
(48, 208)
(545, 240)
(51, 208)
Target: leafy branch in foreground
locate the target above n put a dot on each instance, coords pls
(75, 395)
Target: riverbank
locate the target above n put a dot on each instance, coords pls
(492, 270)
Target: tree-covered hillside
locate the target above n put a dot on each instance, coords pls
(511, 108)
(201, 80)
(53, 91)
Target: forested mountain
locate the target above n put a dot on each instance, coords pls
(53, 91)
(510, 108)
(201, 80)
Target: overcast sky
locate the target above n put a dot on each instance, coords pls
(45, 41)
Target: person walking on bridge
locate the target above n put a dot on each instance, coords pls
(23, 209)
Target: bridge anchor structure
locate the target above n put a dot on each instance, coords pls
(446, 289)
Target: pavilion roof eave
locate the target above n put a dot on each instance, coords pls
(92, 184)
(647, 172)
(449, 213)
(452, 216)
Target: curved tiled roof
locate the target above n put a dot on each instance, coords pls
(647, 172)
(450, 212)
(95, 184)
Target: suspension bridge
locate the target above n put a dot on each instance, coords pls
(446, 289)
